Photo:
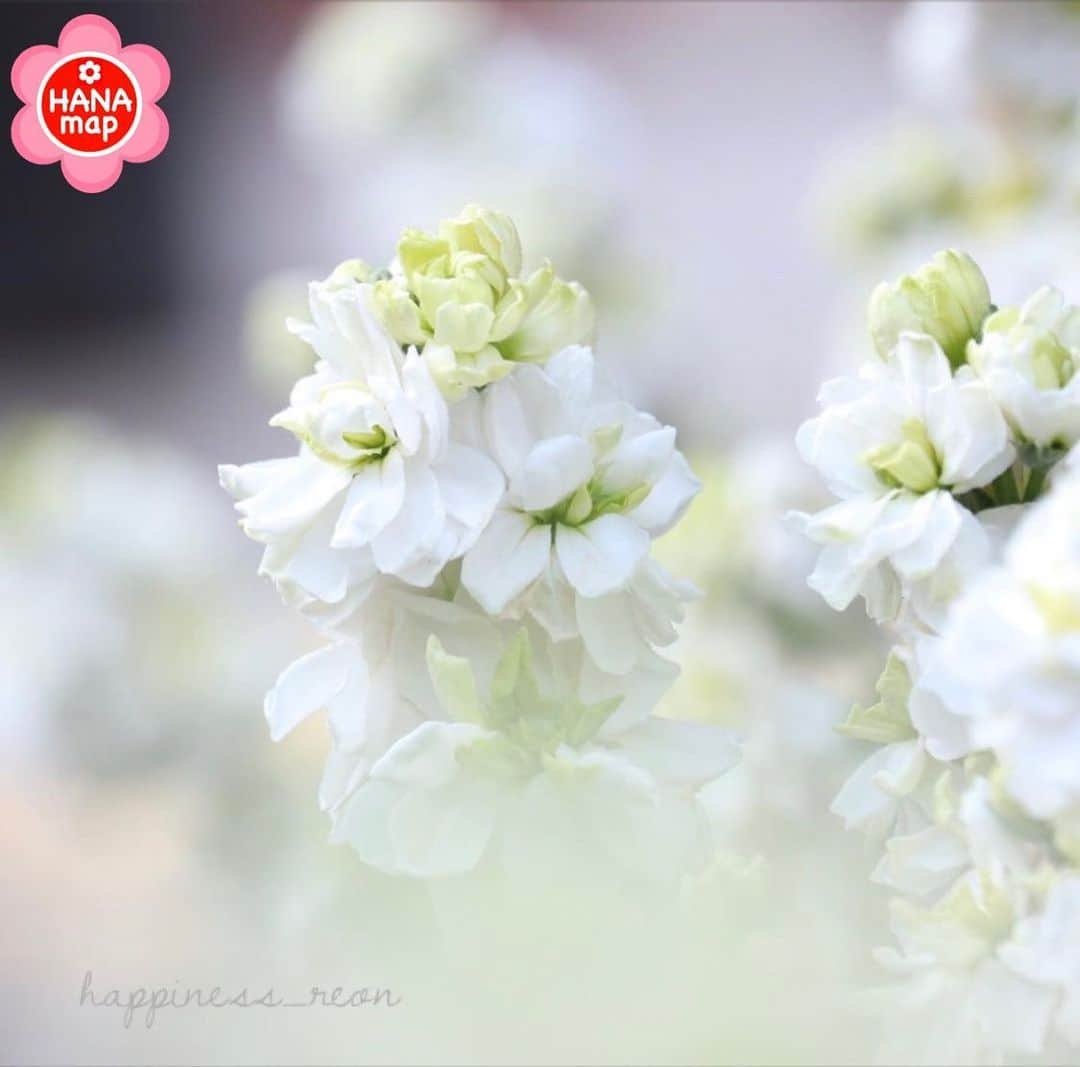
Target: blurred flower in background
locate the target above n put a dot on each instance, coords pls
(982, 154)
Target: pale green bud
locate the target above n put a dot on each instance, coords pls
(420, 253)
(433, 293)
(489, 232)
(910, 463)
(456, 373)
(398, 312)
(510, 311)
(948, 299)
(349, 273)
(468, 306)
(463, 327)
(1052, 362)
(580, 506)
(477, 266)
(560, 314)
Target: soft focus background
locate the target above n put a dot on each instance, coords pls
(666, 155)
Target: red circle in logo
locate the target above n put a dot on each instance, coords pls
(89, 104)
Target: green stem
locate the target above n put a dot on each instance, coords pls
(1005, 490)
(1034, 484)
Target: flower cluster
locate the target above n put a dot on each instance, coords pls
(953, 455)
(468, 519)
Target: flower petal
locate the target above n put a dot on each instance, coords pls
(300, 489)
(414, 532)
(601, 556)
(551, 472)
(471, 485)
(642, 460)
(507, 558)
(374, 499)
(669, 499)
(305, 686)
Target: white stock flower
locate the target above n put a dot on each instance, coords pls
(380, 485)
(1044, 951)
(1028, 357)
(590, 482)
(961, 1003)
(1005, 674)
(482, 503)
(895, 444)
(516, 747)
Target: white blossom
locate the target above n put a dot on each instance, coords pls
(469, 523)
(590, 482)
(1028, 358)
(897, 445)
(380, 484)
(429, 763)
(1005, 674)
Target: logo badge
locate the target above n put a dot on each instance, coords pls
(90, 103)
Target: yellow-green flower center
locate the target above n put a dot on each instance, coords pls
(910, 463)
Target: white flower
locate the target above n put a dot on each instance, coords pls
(1028, 357)
(503, 539)
(895, 444)
(380, 484)
(516, 748)
(369, 684)
(590, 481)
(1005, 674)
(875, 799)
(977, 546)
(961, 1003)
(1044, 950)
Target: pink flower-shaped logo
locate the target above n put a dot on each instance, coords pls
(90, 103)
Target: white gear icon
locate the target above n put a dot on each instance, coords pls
(89, 72)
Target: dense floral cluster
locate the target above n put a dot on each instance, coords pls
(958, 521)
(468, 518)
